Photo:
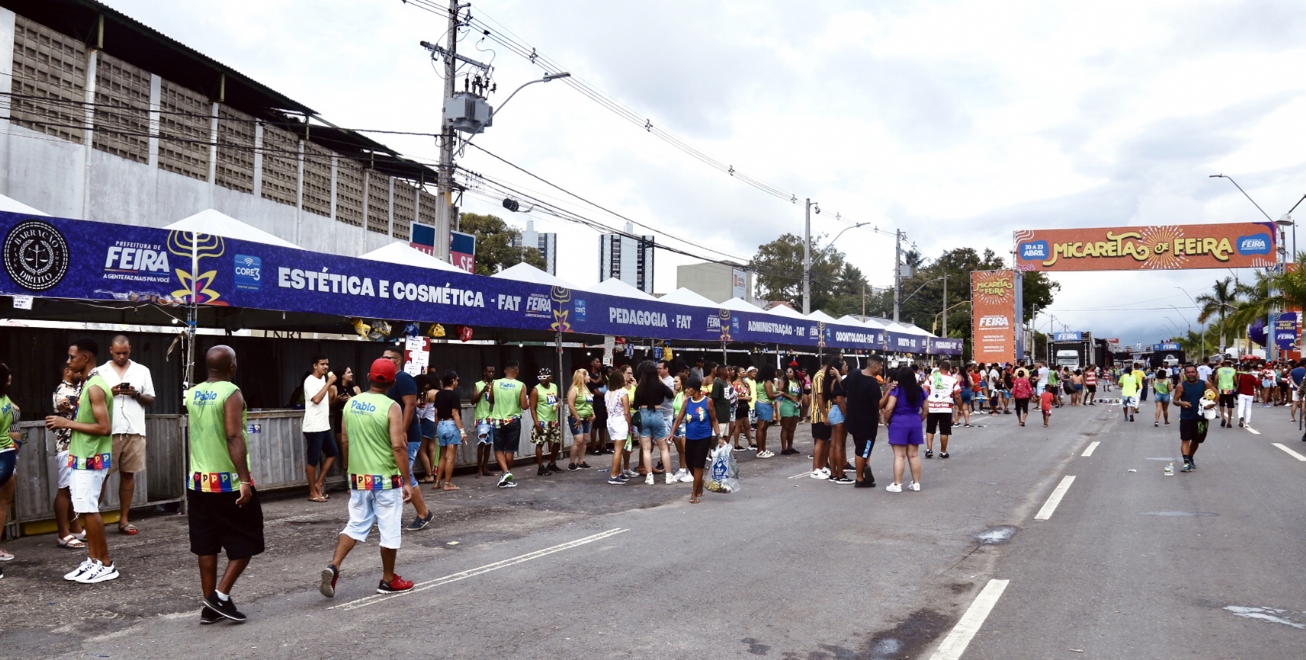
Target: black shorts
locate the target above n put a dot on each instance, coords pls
(216, 523)
(1193, 430)
(1022, 406)
(696, 452)
(863, 446)
(1229, 400)
(319, 444)
(1092, 389)
(741, 412)
(940, 420)
(821, 431)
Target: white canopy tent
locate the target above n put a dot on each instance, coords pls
(787, 312)
(615, 287)
(683, 296)
(11, 205)
(524, 272)
(403, 254)
(217, 223)
(818, 315)
(740, 305)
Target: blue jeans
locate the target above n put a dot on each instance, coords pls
(652, 424)
(765, 412)
(580, 426)
(448, 433)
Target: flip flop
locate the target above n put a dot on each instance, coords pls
(317, 499)
(129, 530)
(5, 556)
(71, 542)
(450, 487)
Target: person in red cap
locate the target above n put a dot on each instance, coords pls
(376, 444)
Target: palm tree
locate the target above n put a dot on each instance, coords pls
(1221, 299)
(1272, 291)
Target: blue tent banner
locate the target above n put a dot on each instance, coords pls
(76, 259)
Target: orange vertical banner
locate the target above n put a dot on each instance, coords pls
(993, 315)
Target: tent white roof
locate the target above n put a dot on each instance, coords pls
(818, 315)
(11, 205)
(909, 329)
(740, 305)
(524, 272)
(683, 296)
(210, 221)
(787, 312)
(868, 323)
(404, 254)
(615, 287)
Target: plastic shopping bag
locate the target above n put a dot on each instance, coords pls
(724, 475)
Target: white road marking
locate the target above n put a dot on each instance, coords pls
(1054, 499)
(1252, 430)
(423, 586)
(1290, 452)
(1091, 446)
(802, 474)
(956, 642)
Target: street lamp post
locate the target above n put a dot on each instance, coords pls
(807, 256)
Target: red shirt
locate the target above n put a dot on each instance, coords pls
(1045, 401)
(1247, 384)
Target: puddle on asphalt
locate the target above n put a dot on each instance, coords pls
(1269, 614)
(1181, 514)
(996, 535)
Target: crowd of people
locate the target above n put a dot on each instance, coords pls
(656, 418)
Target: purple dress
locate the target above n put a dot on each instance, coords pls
(905, 424)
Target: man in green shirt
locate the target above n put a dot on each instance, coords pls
(90, 456)
(221, 506)
(507, 400)
(484, 430)
(1130, 382)
(544, 404)
(377, 446)
(1226, 383)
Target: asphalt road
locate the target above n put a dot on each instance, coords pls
(788, 567)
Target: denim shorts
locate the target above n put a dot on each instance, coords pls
(413, 448)
(448, 433)
(428, 428)
(835, 416)
(652, 424)
(1163, 398)
(765, 412)
(580, 426)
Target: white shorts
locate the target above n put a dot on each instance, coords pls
(723, 429)
(1131, 401)
(65, 472)
(1296, 395)
(618, 429)
(84, 486)
(383, 508)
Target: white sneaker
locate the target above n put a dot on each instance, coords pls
(671, 479)
(84, 568)
(823, 473)
(631, 474)
(765, 454)
(101, 573)
(894, 488)
(648, 481)
(686, 478)
(915, 485)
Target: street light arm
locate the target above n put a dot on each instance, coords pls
(1244, 192)
(918, 289)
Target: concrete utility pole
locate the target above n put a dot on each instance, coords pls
(897, 272)
(446, 216)
(807, 258)
(945, 304)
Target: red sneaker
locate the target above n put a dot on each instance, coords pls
(330, 575)
(394, 586)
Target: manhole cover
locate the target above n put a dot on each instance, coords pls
(1181, 514)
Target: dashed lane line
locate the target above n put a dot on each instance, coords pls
(1252, 430)
(1289, 451)
(1054, 499)
(956, 642)
(430, 584)
(1091, 446)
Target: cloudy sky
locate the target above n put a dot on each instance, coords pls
(958, 122)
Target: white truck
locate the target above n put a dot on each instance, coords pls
(1069, 359)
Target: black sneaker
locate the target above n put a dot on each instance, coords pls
(224, 608)
(419, 523)
(583, 465)
(572, 467)
(553, 467)
(929, 453)
(1192, 465)
(943, 454)
(208, 617)
(1188, 467)
(543, 471)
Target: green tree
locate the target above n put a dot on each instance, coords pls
(494, 244)
(1222, 299)
(836, 285)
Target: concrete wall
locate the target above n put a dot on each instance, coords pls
(712, 281)
(73, 180)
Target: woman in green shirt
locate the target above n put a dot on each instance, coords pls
(1161, 387)
(580, 418)
(8, 451)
